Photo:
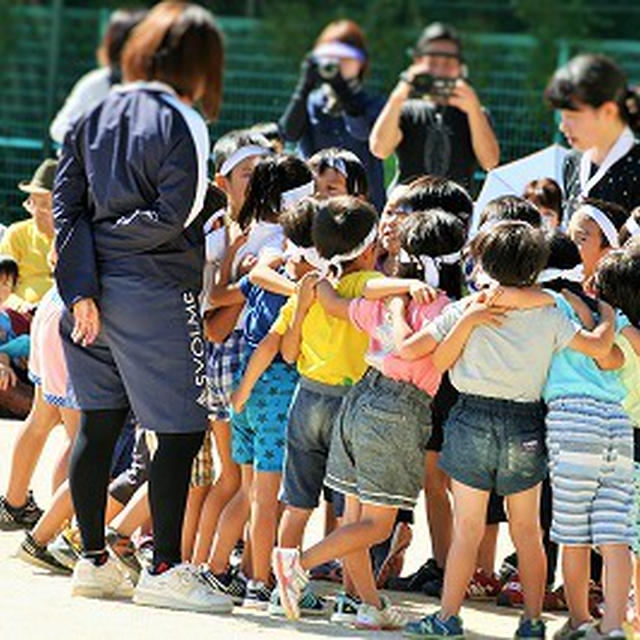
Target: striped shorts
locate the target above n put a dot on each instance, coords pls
(590, 445)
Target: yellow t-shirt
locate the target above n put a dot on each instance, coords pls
(30, 248)
(332, 350)
(630, 376)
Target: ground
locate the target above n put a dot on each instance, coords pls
(35, 604)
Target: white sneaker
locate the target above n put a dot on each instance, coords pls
(374, 619)
(106, 581)
(291, 579)
(180, 588)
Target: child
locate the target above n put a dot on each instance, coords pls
(377, 449)
(546, 194)
(494, 433)
(617, 280)
(329, 353)
(14, 326)
(338, 172)
(261, 402)
(277, 183)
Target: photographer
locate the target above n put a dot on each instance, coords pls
(433, 119)
(330, 108)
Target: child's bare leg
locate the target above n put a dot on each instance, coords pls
(264, 520)
(71, 421)
(135, 514)
(438, 507)
(52, 520)
(575, 575)
(487, 551)
(351, 542)
(231, 523)
(192, 511)
(524, 525)
(28, 446)
(469, 517)
(224, 488)
(617, 583)
(292, 526)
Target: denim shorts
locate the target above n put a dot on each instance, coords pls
(258, 432)
(379, 442)
(314, 407)
(495, 444)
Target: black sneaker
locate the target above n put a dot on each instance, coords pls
(231, 583)
(33, 553)
(258, 595)
(416, 581)
(24, 517)
(433, 587)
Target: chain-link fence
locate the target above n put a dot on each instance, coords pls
(49, 50)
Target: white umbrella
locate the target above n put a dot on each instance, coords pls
(511, 178)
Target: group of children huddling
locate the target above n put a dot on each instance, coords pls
(345, 359)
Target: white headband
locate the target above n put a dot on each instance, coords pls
(337, 260)
(309, 254)
(293, 196)
(575, 274)
(632, 226)
(339, 49)
(337, 164)
(241, 154)
(606, 226)
(431, 266)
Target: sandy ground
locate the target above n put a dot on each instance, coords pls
(35, 604)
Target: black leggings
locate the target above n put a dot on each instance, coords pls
(168, 481)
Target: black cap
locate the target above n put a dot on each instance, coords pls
(436, 31)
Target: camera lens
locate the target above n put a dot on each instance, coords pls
(328, 68)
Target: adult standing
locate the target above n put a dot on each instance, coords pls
(130, 186)
(445, 131)
(330, 107)
(599, 116)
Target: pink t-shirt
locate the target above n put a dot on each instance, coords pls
(372, 317)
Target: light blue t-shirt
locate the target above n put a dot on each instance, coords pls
(574, 374)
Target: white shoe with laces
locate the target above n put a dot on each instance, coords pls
(180, 587)
(385, 619)
(108, 580)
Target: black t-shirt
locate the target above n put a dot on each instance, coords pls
(620, 184)
(436, 140)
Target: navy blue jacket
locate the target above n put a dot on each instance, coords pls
(128, 193)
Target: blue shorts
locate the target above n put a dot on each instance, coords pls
(314, 407)
(495, 444)
(224, 362)
(258, 432)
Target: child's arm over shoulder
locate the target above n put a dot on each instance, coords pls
(518, 297)
(264, 275)
(290, 346)
(598, 342)
(332, 302)
(377, 288)
(259, 362)
(620, 352)
(580, 308)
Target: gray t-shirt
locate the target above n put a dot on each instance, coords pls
(510, 361)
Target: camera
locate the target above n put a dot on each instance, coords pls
(328, 68)
(425, 84)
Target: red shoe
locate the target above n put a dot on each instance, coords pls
(554, 600)
(483, 586)
(511, 594)
(596, 599)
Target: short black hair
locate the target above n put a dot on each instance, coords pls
(9, 267)
(436, 233)
(231, 141)
(617, 280)
(436, 31)
(436, 192)
(341, 224)
(563, 255)
(510, 208)
(297, 222)
(356, 178)
(512, 252)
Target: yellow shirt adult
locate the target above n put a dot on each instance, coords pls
(331, 350)
(30, 248)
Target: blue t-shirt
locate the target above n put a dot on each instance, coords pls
(574, 374)
(261, 311)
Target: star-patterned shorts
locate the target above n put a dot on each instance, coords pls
(258, 432)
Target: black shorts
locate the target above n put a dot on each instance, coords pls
(443, 401)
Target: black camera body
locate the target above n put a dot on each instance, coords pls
(428, 85)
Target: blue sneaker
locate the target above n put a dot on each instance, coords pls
(432, 627)
(531, 629)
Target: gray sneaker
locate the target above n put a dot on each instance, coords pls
(36, 554)
(15, 518)
(567, 632)
(66, 547)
